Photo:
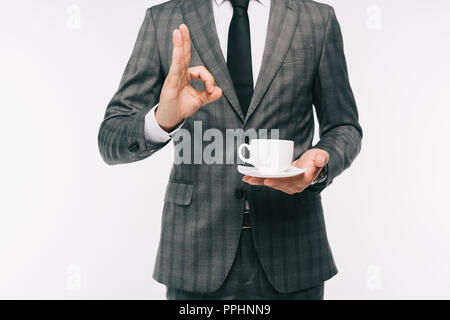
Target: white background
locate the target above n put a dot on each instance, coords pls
(73, 227)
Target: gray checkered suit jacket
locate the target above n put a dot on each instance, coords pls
(303, 65)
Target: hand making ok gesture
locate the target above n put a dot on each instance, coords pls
(178, 99)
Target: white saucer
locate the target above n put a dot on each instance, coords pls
(254, 172)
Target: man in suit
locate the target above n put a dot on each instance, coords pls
(239, 64)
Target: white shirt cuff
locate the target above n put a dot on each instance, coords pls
(154, 134)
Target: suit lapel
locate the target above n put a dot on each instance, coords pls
(282, 24)
(199, 17)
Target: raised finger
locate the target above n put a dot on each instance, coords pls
(176, 67)
(186, 45)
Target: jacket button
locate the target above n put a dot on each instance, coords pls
(239, 193)
(133, 147)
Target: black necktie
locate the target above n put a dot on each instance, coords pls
(239, 53)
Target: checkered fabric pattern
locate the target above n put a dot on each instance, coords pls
(303, 65)
(247, 281)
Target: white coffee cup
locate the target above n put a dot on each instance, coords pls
(268, 155)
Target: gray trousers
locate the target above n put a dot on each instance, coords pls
(247, 281)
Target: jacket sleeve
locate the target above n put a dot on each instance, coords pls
(340, 131)
(121, 137)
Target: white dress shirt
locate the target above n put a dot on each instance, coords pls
(258, 14)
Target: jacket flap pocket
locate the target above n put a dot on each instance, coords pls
(179, 193)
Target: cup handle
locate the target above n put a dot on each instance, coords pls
(241, 156)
